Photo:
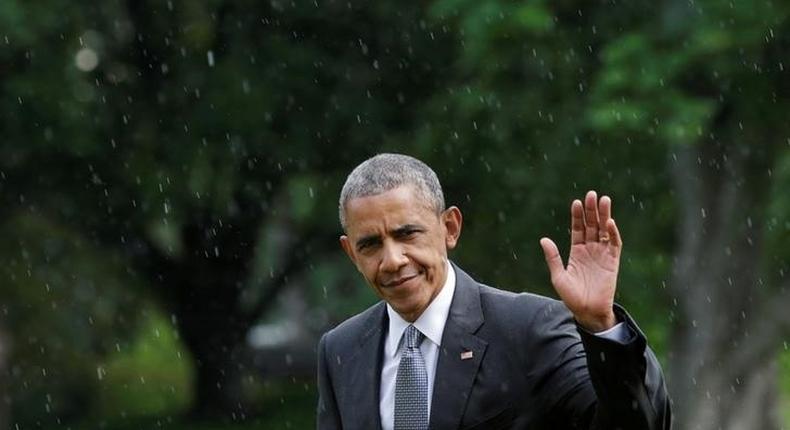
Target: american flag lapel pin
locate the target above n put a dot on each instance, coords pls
(466, 355)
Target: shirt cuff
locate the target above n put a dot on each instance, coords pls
(620, 333)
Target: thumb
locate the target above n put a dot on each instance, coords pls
(553, 259)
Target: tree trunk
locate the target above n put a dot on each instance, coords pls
(751, 404)
(722, 373)
(219, 356)
(203, 291)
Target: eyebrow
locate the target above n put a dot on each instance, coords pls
(408, 228)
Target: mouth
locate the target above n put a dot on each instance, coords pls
(399, 281)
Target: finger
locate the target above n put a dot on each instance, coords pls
(591, 217)
(553, 259)
(605, 214)
(614, 236)
(577, 222)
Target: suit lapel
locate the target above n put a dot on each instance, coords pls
(460, 355)
(364, 376)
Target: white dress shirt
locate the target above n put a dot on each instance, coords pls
(431, 324)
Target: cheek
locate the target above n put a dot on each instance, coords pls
(368, 268)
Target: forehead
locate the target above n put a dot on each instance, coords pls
(390, 209)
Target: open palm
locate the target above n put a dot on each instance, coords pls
(588, 283)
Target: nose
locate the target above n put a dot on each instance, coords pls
(393, 258)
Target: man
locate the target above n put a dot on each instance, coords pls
(445, 352)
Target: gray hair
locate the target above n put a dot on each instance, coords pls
(385, 172)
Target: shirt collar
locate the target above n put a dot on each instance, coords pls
(431, 322)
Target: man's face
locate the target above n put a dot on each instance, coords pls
(400, 244)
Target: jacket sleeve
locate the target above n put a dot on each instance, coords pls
(604, 384)
(327, 413)
(627, 380)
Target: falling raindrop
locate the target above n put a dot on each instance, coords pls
(100, 373)
(86, 59)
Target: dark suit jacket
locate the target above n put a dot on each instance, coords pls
(532, 368)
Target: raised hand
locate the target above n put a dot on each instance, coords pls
(588, 283)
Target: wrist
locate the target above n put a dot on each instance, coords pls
(598, 323)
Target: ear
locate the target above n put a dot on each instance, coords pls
(345, 243)
(452, 220)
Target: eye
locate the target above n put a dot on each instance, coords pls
(408, 233)
(368, 245)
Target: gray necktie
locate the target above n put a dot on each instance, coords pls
(411, 385)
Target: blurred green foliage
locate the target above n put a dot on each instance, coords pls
(69, 307)
(153, 377)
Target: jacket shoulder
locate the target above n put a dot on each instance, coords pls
(347, 333)
(494, 298)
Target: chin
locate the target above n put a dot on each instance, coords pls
(409, 306)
